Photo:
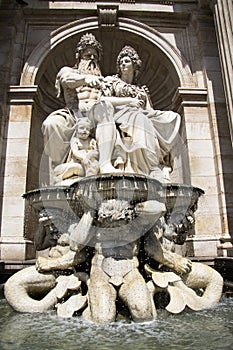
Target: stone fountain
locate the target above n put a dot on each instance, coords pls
(111, 217)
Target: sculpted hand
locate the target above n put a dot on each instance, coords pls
(142, 97)
(182, 265)
(91, 155)
(66, 261)
(136, 103)
(93, 81)
(43, 264)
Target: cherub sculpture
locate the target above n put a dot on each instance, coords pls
(83, 156)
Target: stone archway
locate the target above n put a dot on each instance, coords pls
(164, 64)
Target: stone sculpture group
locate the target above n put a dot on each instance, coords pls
(115, 256)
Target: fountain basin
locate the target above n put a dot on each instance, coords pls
(90, 192)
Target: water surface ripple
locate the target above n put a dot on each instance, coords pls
(205, 330)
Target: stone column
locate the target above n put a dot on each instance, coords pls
(223, 18)
(192, 105)
(13, 246)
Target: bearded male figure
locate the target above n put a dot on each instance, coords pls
(81, 88)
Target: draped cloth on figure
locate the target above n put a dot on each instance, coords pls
(58, 129)
(166, 125)
(142, 136)
(152, 133)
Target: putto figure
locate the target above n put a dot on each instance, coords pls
(82, 158)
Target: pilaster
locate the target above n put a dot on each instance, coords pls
(13, 245)
(223, 18)
(192, 105)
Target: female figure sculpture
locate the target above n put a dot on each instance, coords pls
(145, 134)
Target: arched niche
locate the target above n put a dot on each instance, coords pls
(157, 73)
(163, 71)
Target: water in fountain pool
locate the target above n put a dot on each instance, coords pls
(205, 330)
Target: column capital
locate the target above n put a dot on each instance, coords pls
(189, 97)
(22, 94)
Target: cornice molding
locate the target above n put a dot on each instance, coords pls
(22, 94)
(189, 97)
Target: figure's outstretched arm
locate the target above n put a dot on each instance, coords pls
(81, 233)
(71, 79)
(64, 262)
(121, 101)
(79, 237)
(174, 261)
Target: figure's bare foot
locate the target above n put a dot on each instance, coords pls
(157, 174)
(109, 169)
(119, 162)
